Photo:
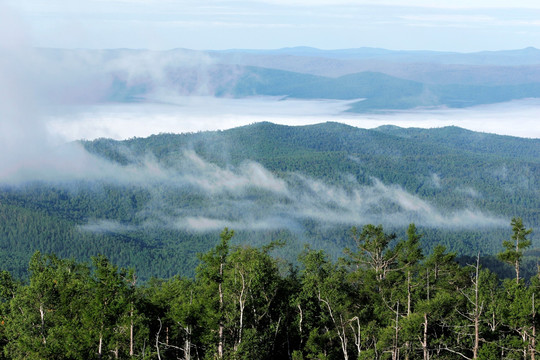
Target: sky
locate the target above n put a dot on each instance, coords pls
(457, 25)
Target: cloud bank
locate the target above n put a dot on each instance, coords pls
(192, 114)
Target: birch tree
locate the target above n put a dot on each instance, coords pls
(108, 305)
(211, 274)
(45, 320)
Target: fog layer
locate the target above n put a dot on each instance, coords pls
(192, 114)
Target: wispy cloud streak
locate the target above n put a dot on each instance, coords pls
(249, 197)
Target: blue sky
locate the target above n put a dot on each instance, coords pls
(458, 25)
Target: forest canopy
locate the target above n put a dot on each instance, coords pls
(154, 203)
(384, 298)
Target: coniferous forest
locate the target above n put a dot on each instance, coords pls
(155, 203)
(384, 298)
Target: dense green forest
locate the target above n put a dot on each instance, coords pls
(156, 202)
(491, 164)
(384, 298)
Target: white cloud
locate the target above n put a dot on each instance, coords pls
(380, 203)
(452, 20)
(249, 197)
(444, 4)
(214, 179)
(436, 180)
(192, 114)
(469, 191)
(106, 226)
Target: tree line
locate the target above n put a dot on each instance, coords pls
(383, 299)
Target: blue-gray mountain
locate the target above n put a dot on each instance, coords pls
(379, 79)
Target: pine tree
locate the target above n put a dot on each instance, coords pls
(514, 248)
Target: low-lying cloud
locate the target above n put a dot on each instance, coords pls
(214, 179)
(42, 106)
(249, 197)
(106, 226)
(192, 114)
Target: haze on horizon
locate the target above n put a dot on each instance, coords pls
(458, 25)
(44, 103)
(193, 114)
(29, 113)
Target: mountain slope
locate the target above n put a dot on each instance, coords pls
(386, 80)
(451, 167)
(164, 198)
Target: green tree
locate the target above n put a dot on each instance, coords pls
(372, 250)
(254, 306)
(399, 291)
(178, 307)
(210, 273)
(326, 302)
(517, 319)
(8, 290)
(45, 319)
(477, 316)
(514, 249)
(439, 298)
(108, 305)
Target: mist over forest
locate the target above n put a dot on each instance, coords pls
(181, 180)
(162, 199)
(105, 173)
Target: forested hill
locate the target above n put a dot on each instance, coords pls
(479, 143)
(154, 203)
(451, 166)
(264, 139)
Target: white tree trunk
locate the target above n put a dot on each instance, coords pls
(221, 326)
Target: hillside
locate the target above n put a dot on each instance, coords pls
(376, 91)
(382, 79)
(407, 157)
(162, 199)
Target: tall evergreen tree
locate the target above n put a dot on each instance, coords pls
(514, 248)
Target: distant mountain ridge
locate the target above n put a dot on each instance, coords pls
(384, 79)
(404, 156)
(526, 56)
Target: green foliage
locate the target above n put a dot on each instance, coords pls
(373, 249)
(132, 223)
(47, 314)
(244, 303)
(514, 249)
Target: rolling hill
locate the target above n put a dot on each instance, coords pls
(383, 80)
(163, 199)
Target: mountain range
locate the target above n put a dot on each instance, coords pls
(378, 79)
